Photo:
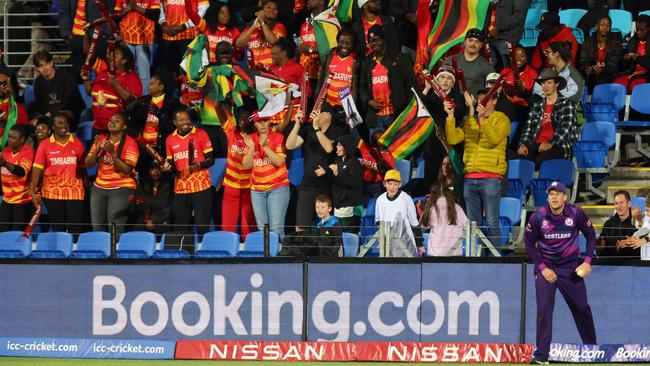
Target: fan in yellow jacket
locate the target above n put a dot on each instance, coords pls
(485, 159)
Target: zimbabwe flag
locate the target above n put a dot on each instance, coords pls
(326, 27)
(452, 20)
(410, 129)
(342, 9)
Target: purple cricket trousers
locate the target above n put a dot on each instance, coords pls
(573, 289)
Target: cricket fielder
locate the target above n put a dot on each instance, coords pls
(552, 244)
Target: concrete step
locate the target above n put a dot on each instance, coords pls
(621, 182)
(598, 210)
(640, 191)
(630, 173)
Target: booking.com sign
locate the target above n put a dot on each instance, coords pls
(345, 302)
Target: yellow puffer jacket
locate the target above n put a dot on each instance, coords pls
(485, 146)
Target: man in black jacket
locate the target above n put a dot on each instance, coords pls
(386, 81)
(371, 15)
(505, 23)
(636, 60)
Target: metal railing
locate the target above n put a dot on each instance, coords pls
(14, 54)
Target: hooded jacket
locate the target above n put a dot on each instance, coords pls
(347, 186)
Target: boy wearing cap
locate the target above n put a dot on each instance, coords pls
(551, 127)
(551, 30)
(386, 82)
(396, 208)
(552, 244)
(475, 68)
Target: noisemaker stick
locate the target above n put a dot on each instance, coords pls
(513, 66)
(497, 84)
(459, 76)
(318, 104)
(33, 221)
(190, 152)
(437, 89)
(156, 156)
(108, 20)
(303, 94)
(91, 51)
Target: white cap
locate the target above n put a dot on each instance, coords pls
(491, 77)
(360, 3)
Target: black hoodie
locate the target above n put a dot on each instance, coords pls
(347, 186)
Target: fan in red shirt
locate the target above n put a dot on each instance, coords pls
(636, 60)
(15, 164)
(60, 159)
(285, 66)
(236, 208)
(189, 151)
(307, 49)
(261, 35)
(551, 30)
(217, 25)
(116, 155)
(110, 94)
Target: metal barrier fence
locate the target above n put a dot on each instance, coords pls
(27, 29)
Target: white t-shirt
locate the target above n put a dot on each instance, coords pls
(401, 215)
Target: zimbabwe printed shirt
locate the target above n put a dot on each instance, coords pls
(108, 177)
(341, 69)
(15, 189)
(260, 49)
(310, 61)
(178, 149)
(236, 175)
(267, 176)
(135, 27)
(61, 168)
(175, 15)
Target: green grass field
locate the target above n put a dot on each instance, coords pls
(11, 361)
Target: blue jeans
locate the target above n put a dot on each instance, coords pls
(383, 122)
(142, 54)
(483, 195)
(270, 207)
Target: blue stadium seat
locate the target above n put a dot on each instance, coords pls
(297, 171)
(571, 17)
(53, 245)
(639, 202)
(645, 12)
(607, 100)
(538, 4)
(14, 245)
(219, 244)
(28, 94)
(296, 153)
(621, 21)
(509, 216)
(85, 133)
(254, 245)
(520, 173)
(596, 140)
(513, 130)
(217, 171)
(86, 98)
(170, 253)
(529, 38)
(93, 244)
(419, 173)
(404, 168)
(136, 244)
(556, 169)
(640, 102)
(350, 244)
(368, 225)
(578, 34)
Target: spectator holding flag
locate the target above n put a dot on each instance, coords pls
(552, 244)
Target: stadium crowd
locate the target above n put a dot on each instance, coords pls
(172, 86)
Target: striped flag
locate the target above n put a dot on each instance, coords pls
(342, 9)
(326, 27)
(453, 19)
(410, 129)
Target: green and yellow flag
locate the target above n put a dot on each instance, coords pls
(326, 27)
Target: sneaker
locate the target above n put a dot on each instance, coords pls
(539, 361)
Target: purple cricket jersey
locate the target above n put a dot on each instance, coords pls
(553, 239)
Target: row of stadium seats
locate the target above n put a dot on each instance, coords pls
(141, 244)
